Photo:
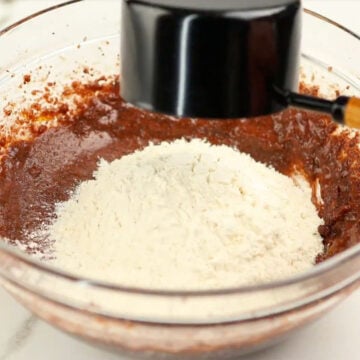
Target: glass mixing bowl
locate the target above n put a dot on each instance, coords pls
(54, 46)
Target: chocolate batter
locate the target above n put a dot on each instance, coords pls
(42, 171)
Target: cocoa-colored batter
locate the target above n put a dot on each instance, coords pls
(42, 171)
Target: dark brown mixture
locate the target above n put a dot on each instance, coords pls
(38, 173)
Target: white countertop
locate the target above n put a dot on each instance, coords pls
(334, 337)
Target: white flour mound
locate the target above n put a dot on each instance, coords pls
(187, 215)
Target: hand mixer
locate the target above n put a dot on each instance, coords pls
(218, 59)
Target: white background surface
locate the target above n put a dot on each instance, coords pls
(334, 337)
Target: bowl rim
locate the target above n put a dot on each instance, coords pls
(322, 268)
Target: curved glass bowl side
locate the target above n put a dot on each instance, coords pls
(182, 308)
(175, 341)
(335, 68)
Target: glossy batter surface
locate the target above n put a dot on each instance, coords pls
(37, 173)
